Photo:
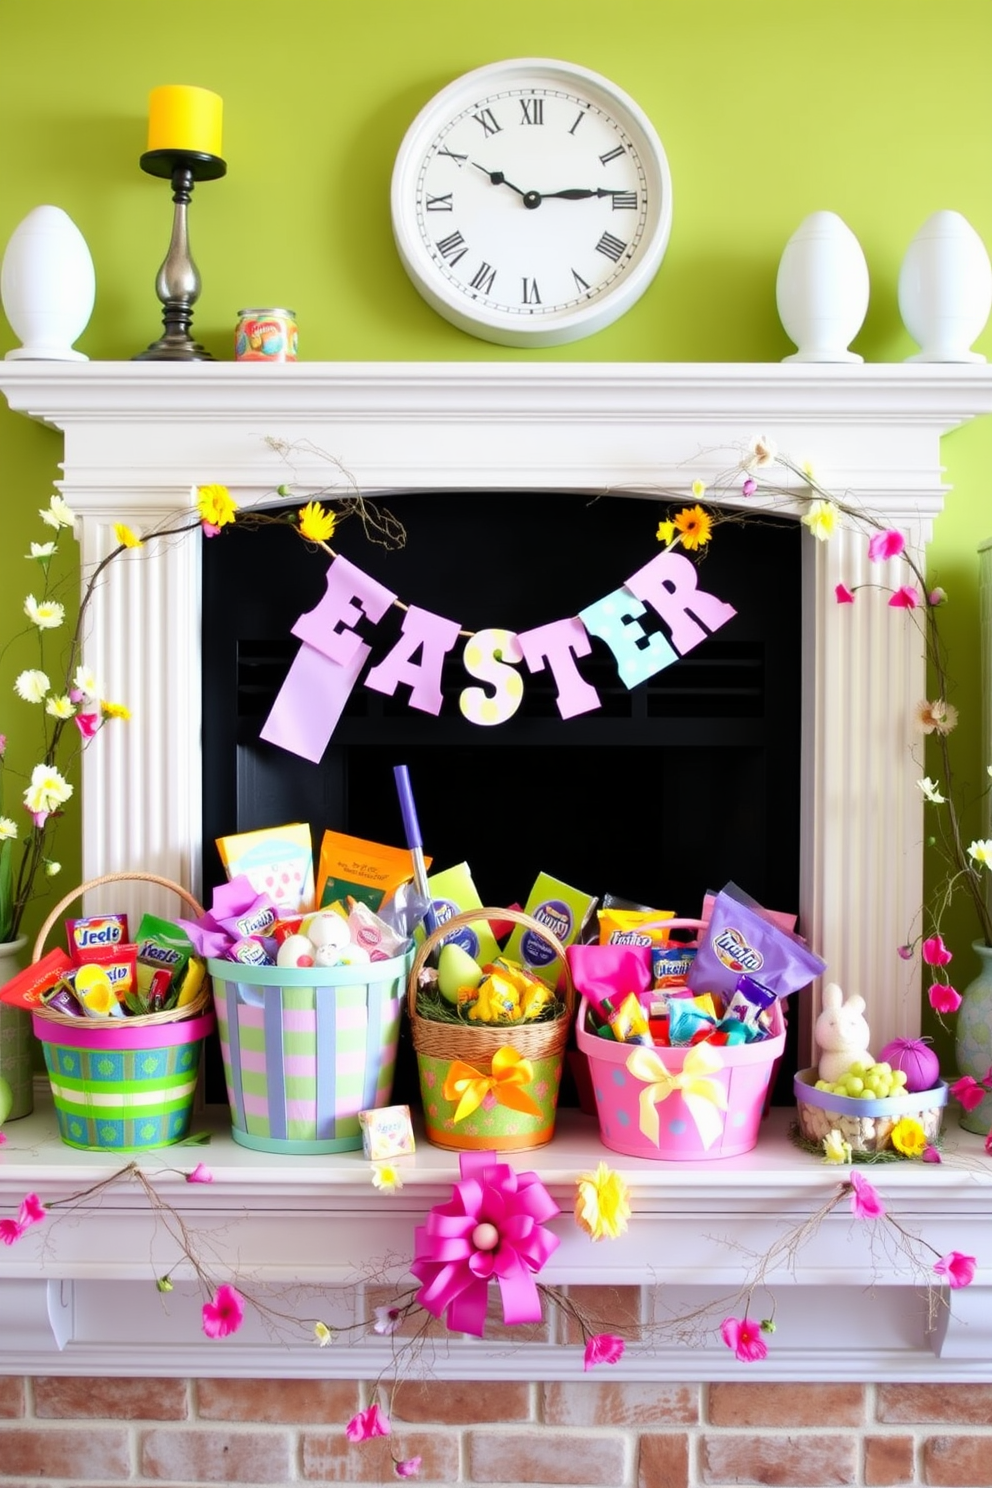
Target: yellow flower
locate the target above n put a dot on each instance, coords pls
(835, 1149)
(216, 505)
(115, 710)
(981, 852)
(695, 527)
(666, 533)
(323, 1334)
(602, 1203)
(908, 1137)
(821, 519)
(316, 524)
(60, 707)
(699, 489)
(125, 536)
(386, 1178)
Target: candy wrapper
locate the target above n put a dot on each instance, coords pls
(740, 941)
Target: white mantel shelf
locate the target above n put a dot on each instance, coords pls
(137, 436)
(307, 1230)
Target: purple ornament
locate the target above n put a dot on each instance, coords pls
(917, 1061)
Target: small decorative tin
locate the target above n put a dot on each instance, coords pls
(265, 336)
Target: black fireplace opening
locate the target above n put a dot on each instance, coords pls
(671, 788)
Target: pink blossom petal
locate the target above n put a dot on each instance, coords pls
(931, 1155)
(224, 1314)
(906, 952)
(943, 997)
(957, 1269)
(10, 1231)
(905, 598)
(603, 1348)
(886, 544)
(750, 486)
(200, 1174)
(937, 597)
(3, 1138)
(407, 1469)
(935, 953)
(865, 1201)
(209, 530)
(843, 595)
(744, 1338)
(968, 1092)
(87, 724)
(368, 1423)
(32, 1210)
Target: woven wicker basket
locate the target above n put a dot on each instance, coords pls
(123, 1084)
(491, 1126)
(199, 1004)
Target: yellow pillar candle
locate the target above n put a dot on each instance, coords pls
(181, 118)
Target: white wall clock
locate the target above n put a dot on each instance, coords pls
(531, 202)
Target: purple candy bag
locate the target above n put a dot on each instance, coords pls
(739, 940)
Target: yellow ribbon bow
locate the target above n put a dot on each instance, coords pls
(510, 1073)
(704, 1098)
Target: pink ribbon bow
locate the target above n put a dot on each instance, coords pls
(493, 1226)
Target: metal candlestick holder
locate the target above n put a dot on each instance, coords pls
(178, 282)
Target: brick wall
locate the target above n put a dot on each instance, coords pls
(70, 1432)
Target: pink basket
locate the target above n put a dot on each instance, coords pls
(745, 1072)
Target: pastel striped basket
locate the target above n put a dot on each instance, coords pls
(306, 1049)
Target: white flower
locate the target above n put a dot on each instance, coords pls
(761, 451)
(386, 1178)
(323, 1334)
(698, 490)
(51, 869)
(41, 551)
(387, 1320)
(58, 514)
(982, 852)
(60, 707)
(8, 829)
(85, 681)
(835, 1148)
(931, 790)
(48, 790)
(32, 686)
(47, 616)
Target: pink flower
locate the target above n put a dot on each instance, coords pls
(368, 1423)
(603, 1348)
(865, 1202)
(905, 598)
(10, 1231)
(958, 1269)
(32, 1211)
(200, 1174)
(744, 1337)
(387, 1320)
(39, 818)
(943, 997)
(935, 953)
(906, 952)
(3, 745)
(224, 1314)
(886, 544)
(968, 1092)
(3, 1138)
(750, 486)
(937, 597)
(87, 724)
(408, 1469)
(931, 1155)
(843, 594)
(210, 530)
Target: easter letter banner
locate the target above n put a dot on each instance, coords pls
(333, 654)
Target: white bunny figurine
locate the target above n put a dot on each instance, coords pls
(842, 1034)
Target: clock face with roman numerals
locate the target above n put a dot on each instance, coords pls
(531, 202)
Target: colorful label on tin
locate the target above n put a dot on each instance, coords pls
(265, 336)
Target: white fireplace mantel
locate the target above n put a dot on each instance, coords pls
(138, 436)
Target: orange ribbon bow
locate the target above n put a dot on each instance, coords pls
(510, 1073)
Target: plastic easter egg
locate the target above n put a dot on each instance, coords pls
(326, 928)
(48, 286)
(354, 955)
(296, 950)
(917, 1061)
(327, 955)
(456, 969)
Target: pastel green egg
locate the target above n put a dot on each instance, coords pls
(456, 969)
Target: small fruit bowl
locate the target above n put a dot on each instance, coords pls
(866, 1124)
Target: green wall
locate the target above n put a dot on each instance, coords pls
(880, 110)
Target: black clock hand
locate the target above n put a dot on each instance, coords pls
(498, 179)
(577, 193)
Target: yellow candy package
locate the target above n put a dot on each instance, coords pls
(636, 927)
(367, 871)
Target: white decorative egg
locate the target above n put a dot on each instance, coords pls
(945, 289)
(296, 950)
(822, 289)
(48, 286)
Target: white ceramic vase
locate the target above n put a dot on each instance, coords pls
(945, 289)
(822, 289)
(48, 286)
